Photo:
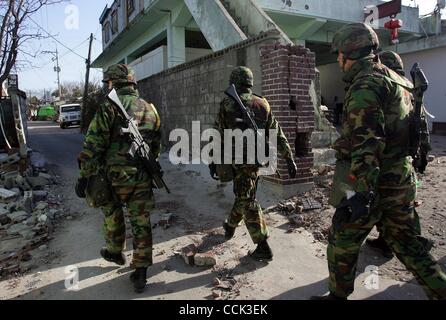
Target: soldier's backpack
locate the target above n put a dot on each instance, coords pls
(225, 172)
(98, 191)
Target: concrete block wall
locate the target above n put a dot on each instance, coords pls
(288, 72)
(193, 91)
(283, 74)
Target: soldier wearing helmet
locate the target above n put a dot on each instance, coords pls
(374, 180)
(393, 61)
(245, 176)
(105, 151)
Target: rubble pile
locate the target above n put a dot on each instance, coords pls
(305, 211)
(225, 287)
(27, 213)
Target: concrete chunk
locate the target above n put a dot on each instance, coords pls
(38, 182)
(166, 220)
(18, 216)
(188, 254)
(205, 260)
(41, 206)
(15, 229)
(21, 183)
(7, 195)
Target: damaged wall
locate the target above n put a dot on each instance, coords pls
(288, 80)
(285, 75)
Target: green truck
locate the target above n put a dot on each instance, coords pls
(46, 113)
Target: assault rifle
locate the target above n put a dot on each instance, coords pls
(139, 149)
(247, 115)
(417, 149)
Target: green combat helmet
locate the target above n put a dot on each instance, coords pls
(392, 60)
(242, 77)
(120, 74)
(355, 41)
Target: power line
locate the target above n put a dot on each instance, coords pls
(57, 40)
(63, 55)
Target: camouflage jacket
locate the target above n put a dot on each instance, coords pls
(104, 145)
(263, 116)
(375, 132)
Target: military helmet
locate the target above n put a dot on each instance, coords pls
(392, 60)
(120, 74)
(242, 77)
(355, 41)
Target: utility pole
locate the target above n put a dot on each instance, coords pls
(56, 69)
(87, 80)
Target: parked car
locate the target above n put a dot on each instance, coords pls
(70, 115)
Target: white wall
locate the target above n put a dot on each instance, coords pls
(156, 61)
(151, 63)
(331, 83)
(433, 62)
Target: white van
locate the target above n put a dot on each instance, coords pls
(70, 115)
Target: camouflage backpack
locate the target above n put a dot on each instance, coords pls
(98, 191)
(225, 172)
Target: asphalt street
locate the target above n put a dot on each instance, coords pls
(60, 147)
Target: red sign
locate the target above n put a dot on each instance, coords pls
(389, 9)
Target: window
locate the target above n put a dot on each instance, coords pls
(130, 7)
(107, 32)
(73, 108)
(114, 21)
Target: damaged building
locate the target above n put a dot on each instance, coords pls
(184, 50)
(13, 127)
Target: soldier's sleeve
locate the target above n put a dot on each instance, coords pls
(365, 121)
(151, 130)
(283, 147)
(96, 142)
(220, 121)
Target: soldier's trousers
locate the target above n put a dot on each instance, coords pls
(246, 207)
(395, 210)
(132, 189)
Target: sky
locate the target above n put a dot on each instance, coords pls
(60, 21)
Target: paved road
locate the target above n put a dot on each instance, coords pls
(59, 147)
(297, 272)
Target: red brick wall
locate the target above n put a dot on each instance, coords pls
(287, 74)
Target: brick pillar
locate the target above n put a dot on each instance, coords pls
(287, 75)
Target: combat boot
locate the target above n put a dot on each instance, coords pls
(139, 279)
(229, 231)
(381, 245)
(263, 252)
(117, 258)
(427, 243)
(330, 297)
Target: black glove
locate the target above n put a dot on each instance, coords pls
(292, 168)
(421, 164)
(80, 188)
(213, 171)
(358, 206)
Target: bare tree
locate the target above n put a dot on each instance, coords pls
(16, 30)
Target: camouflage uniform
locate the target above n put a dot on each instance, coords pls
(374, 144)
(105, 148)
(246, 207)
(393, 61)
